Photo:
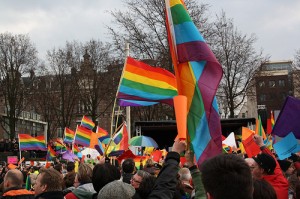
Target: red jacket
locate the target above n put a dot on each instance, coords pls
(277, 180)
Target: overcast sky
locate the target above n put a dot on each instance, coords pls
(50, 23)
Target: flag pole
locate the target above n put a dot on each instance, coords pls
(20, 152)
(128, 117)
(115, 101)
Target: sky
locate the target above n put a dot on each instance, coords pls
(50, 23)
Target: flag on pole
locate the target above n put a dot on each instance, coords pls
(198, 74)
(259, 130)
(50, 153)
(272, 119)
(143, 82)
(69, 136)
(87, 123)
(83, 136)
(27, 142)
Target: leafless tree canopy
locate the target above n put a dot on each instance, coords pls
(18, 56)
(235, 52)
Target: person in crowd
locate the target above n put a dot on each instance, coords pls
(149, 166)
(185, 185)
(226, 176)
(128, 168)
(104, 173)
(83, 184)
(13, 186)
(145, 187)
(116, 190)
(68, 183)
(166, 182)
(137, 178)
(48, 185)
(287, 167)
(34, 172)
(71, 167)
(266, 167)
(263, 190)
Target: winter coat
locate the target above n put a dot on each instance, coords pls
(17, 193)
(277, 180)
(85, 191)
(50, 195)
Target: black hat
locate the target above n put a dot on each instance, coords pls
(284, 164)
(265, 161)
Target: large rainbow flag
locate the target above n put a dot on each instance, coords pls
(87, 123)
(198, 75)
(69, 136)
(28, 142)
(143, 82)
(83, 136)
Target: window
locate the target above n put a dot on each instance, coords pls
(281, 83)
(272, 83)
(263, 97)
(261, 84)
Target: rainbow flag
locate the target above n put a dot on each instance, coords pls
(50, 153)
(259, 129)
(69, 136)
(101, 132)
(83, 136)
(146, 83)
(87, 123)
(272, 119)
(198, 75)
(28, 142)
(135, 103)
(76, 150)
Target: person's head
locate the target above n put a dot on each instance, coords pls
(13, 178)
(69, 179)
(103, 174)
(48, 180)
(146, 186)
(138, 178)
(128, 166)
(287, 167)
(265, 165)
(263, 190)
(84, 174)
(70, 166)
(185, 175)
(224, 174)
(117, 190)
(58, 167)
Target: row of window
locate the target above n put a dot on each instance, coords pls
(272, 83)
(272, 96)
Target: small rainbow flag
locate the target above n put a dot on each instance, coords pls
(87, 123)
(143, 82)
(272, 119)
(51, 153)
(83, 136)
(76, 150)
(28, 142)
(69, 136)
(101, 132)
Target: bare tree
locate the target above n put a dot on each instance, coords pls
(239, 61)
(297, 59)
(95, 81)
(17, 57)
(143, 26)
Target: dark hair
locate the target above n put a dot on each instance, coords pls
(104, 174)
(70, 166)
(52, 178)
(224, 174)
(128, 165)
(146, 186)
(69, 179)
(263, 190)
(58, 167)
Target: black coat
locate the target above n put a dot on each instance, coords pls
(50, 195)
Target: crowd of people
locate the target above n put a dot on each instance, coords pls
(223, 176)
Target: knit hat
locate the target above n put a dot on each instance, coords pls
(266, 162)
(116, 190)
(284, 165)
